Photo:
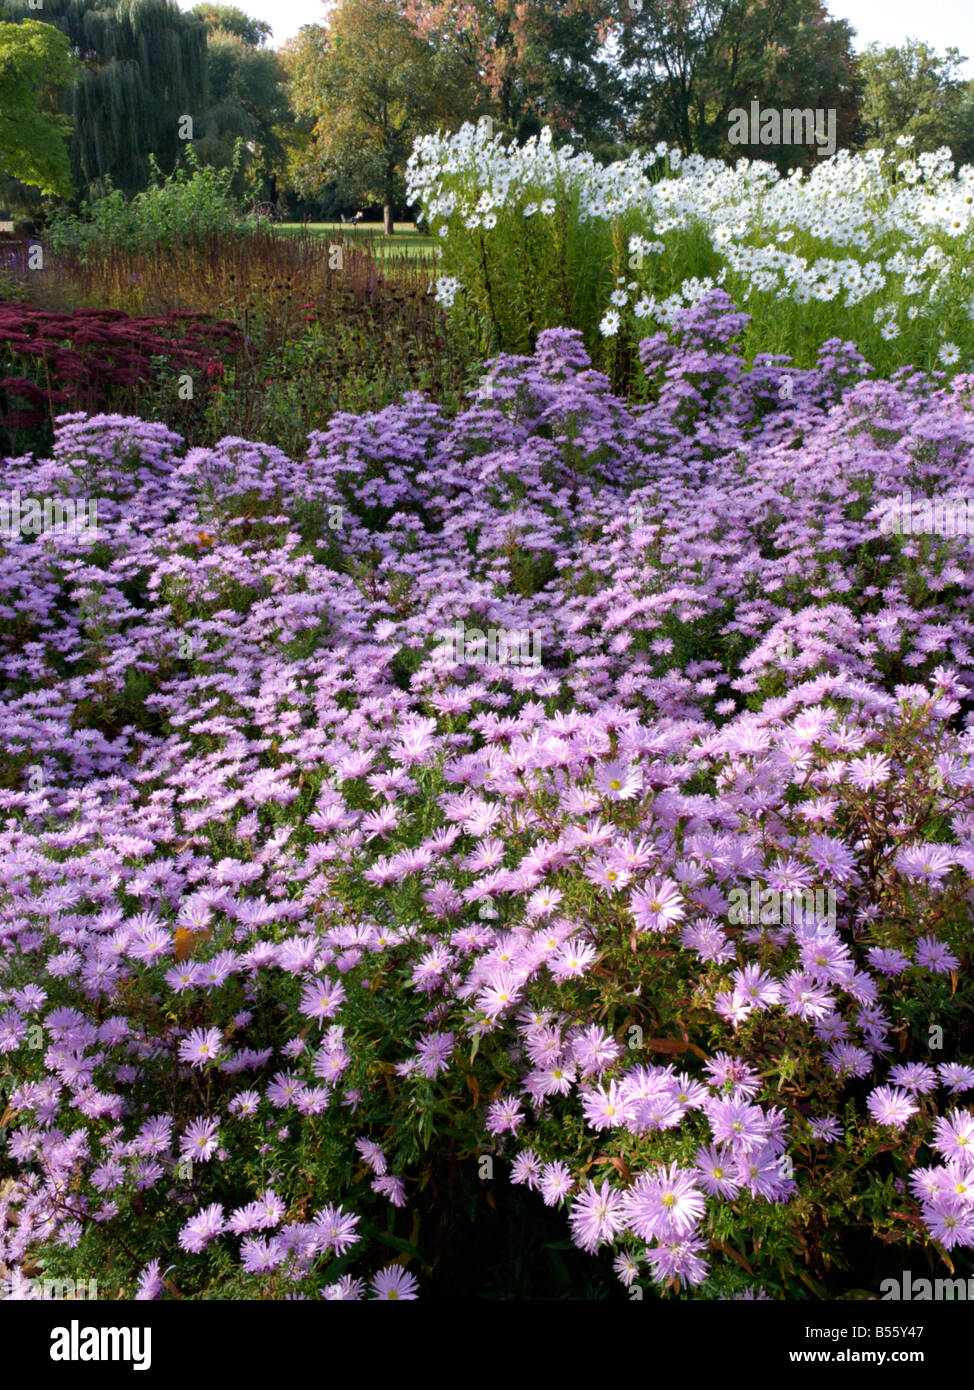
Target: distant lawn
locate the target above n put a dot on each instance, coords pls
(405, 240)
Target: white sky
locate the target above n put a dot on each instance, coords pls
(941, 23)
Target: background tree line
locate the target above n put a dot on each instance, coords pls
(95, 93)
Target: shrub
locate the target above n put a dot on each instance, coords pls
(173, 212)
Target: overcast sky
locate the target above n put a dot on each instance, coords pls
(941, 23)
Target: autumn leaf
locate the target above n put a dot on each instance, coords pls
(670, 1046)
(730, 1251)
(185, 942)
(617, 1164)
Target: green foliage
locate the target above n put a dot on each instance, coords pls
(34, 60)
(177, 211)
(684, 66)
(912, 90)
(231, 20)
(245, 101)
(370, 84)
(142, 69)
(532, 61)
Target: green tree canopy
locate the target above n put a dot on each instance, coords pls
(684, 65)
(232, 20)
(534, 61)
(913, 90)
(35, 60)
(370, 84)
(246, 99)
(143, 70)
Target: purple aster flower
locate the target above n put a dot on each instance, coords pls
(954, 1135)
(714, 1170)
(150, 1284)
(335, 1230)
(733, 1121)
(665, 1205)
(260, 1254)
(321, 999)
(914, 1076)
(373, 1155)
(658, 906)
(887, 962)
(203, 1045)
(618, 781)
(198, 1141)
(392, 1187)
(199, 1230)
(956, 1077)
(826, 1128)
(434, 1051)
(934, 955)
(394, 1283)
(950, 1221)
(596, 1216)
(594, 1050)
(606, 1109)
(526, 1170)
(505, 1116)
(626, 1267)
(889, 1105)
(678, 1260)
(556, 1183)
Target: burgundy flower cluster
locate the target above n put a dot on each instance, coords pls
(83, 360)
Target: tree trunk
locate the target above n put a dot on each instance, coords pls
(387, 219)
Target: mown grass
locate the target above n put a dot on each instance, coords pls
(406, 240)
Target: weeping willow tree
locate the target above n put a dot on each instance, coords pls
(143, 71)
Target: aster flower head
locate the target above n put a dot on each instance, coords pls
(596, 1216)
(955, 1076)
(556, 1182)
(618, 781)
(335, 1230)
(954, 1135)
(664, 1206)
(394, 1284)
(658, 906)
(199, 1141)
(935, 956)
(526, 1170)
(891, 1105)
(202, 1046)
(505, 1116)
(826, 1128)
(678, 1259)
(734, 1121)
